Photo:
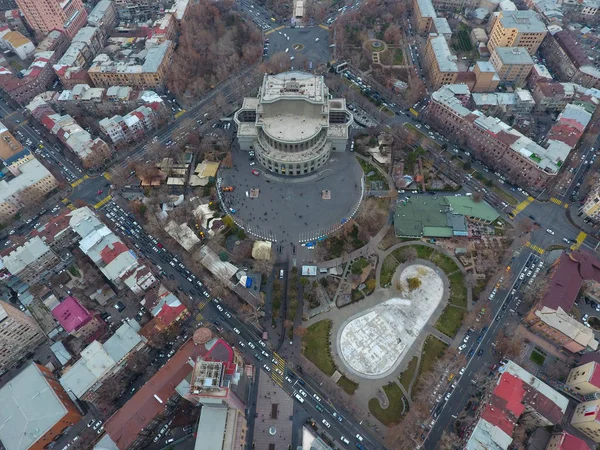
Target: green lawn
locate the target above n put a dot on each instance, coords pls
(315, 345)
(424, 252)
(433, 349)
(398, 57)
(458, 290)
(387, 270)
(358, 266)
(450, 321)
(505, 196)
(537, 358)
(407, 376)
(392, 414)
(347, 385)
(444, 262)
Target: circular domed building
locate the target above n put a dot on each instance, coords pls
(202, 336)
(293, 125)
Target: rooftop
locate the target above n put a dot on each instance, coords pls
(31, 172)
(124, 426)
(98, 359)
(25, 255)
(30, 407)
(426, 8)
(514, 55)
(293, 85)
(71, 314)
(444, 57)
(525, 21)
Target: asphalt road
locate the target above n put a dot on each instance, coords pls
(447, 411)
(212, 311)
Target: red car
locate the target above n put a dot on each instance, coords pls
(254, 172)
(100, 191)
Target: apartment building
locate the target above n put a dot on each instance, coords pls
(92, 152)
(566, 441)
(104, 15)
(71, 68)
(10, 148)
(424, 13)
(585, 379)
(102, 361)
(498, 145)
(131, 71)
(454, 5)
(16, 42)
(517, 29)
(22, 87)
(29, 187)
(31, 261)
(591, 207)
(512, 64)
(440, 62)
(566, 57)
(552, 96)
(112, 257)
(132, 127)
(486, 77)
(56, 41)
(519, 103)
(47, 15)
(33, 391)
(19, 334)
(586, 419)
(516, 394)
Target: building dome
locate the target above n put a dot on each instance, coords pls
(293, 125)
(202, 336)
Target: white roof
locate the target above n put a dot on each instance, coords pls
(31, 172)
(98, 359)
(443, 55)
(30, 407)
(563, 322)
(25, 255)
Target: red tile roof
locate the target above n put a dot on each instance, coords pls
(595, 378)
(570, 442)
(499, 418)
(167, 315)
(572, 268)
(109, 253)
(124, 426)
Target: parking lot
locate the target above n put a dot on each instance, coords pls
(290, 209)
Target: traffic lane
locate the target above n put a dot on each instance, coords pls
(232, 322)
(244, 328)
(475, 364)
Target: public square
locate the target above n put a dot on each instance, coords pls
(292, 209)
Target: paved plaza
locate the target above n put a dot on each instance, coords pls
(372, 342)
(292, 209)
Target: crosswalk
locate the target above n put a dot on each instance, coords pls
(557, 201)
(521, 206)
(199, 318)
(535, 248)
(103, 202)
(278, 369)
(579, 240)
(257, 231)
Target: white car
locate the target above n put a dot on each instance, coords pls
(236, 331)
(317, 398)
(326, 423)
(466, 339)
(549, 231)
(462, 371)
(462, 347)
(302, 393)
(359, 437)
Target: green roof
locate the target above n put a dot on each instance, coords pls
(419, 212)
(434, 216)
(467, 207)
(437, 232)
